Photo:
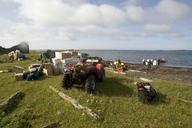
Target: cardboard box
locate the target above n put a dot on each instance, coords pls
(48, 66)
(64, 55)
(74, 53)
(48, 72)
(57, 71)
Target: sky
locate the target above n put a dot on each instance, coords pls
(97, 24)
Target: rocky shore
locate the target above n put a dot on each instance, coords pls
(165, 73)
(181, 74)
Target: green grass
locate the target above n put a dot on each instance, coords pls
(115, 101)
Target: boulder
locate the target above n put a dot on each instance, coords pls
(52, 125)
(9, 104)
(23, 47)
(19, 76)
(17, 69)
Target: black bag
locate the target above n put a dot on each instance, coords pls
(146, 93)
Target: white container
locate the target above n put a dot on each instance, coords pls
(58, 55)
(57, 63)
(64, 55)
(70, 60)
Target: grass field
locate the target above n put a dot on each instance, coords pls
(115, 101)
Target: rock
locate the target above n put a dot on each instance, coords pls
(19, 77)
(4, 58)
(145, 79)
(52, 125)
(59, 113)
(9, 104)
(3, 113)
(17, 69)
(23, 47)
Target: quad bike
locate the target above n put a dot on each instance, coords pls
(84, 75)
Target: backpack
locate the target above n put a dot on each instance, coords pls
(146, 93)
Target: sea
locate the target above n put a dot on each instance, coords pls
(174, 58)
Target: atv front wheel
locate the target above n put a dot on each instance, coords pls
(67, 81)
(90, 84)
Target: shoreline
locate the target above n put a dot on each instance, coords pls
(181, 74)
(161, 65)
(164, 65)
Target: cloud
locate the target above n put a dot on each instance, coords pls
(157, 28)
(59, 12)
(161, 29)
(135, 13)
(33, 33)
(173, 9)
(149, 30)
(82, 12)
(112, 14)
(175, 35)
(131, 2)
(152, 31)
(90, 29)
(68, 20)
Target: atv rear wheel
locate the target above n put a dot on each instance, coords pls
(90, 84)
(101, 75)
